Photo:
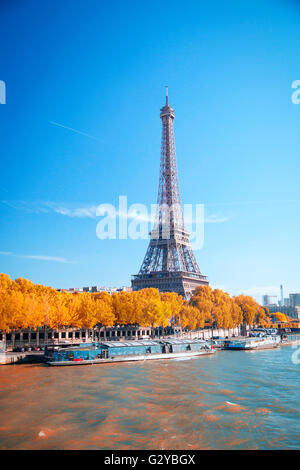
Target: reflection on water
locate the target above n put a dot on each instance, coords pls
(232, 400)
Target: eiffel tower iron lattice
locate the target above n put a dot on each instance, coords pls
(169, 264)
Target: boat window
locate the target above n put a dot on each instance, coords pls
(70, 334)
(76, 334)
(63, 334)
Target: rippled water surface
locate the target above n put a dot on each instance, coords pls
(232, 400)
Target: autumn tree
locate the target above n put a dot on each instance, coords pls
(191, 317)
(203, 300)
(123, 308)
(104, 309)
(222, 309)
(172, 305)
(250, 308)
(24, 304)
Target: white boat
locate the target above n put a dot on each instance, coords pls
(254, 342)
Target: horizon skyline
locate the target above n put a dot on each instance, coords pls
(83, 128)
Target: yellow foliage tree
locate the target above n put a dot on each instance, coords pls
(203, 300)
(250, 308)
(24, 304)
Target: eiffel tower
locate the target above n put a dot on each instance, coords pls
(169, 264)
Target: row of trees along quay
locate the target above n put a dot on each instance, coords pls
(24, 304)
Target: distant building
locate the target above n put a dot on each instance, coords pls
(286, 302)
(281, 301)
(72, 289)
(91, 289)
(295, 300)
(267, 300)
(291, 311)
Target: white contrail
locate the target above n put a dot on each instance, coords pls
(37, 257)
(73, 130)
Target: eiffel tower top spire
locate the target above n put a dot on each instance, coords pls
(169, 210)
(166, 109)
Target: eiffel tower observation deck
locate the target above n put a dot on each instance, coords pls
(169, 264)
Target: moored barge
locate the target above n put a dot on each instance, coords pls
(253, 343)
(124, 351)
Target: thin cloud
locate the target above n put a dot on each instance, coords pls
(216, 219)
(31, 207)
(258, 292)
(81, 212)
(93, 211)
(73, 130)
(250, 203)
(36, 257)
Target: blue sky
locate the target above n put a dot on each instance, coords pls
(85, 83)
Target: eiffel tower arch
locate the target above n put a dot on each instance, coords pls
(169, 264)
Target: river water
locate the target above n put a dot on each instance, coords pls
(232, 400)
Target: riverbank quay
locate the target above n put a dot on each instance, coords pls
(14, 357)
(11, 358)
(32, 357)
(29, 340)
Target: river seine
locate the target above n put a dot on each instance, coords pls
(232, 400)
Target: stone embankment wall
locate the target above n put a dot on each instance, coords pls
(209, 333)
(43, 336)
